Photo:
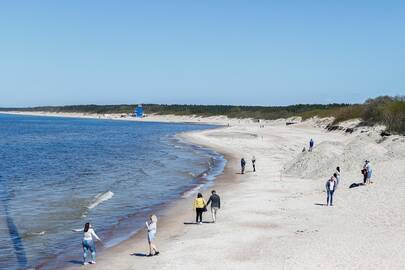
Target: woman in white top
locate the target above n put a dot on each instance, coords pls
(330, 189)
(88, 243)
(151, 225)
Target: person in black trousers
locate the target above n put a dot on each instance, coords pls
(254, 163)
(242, 165)
(200, 206)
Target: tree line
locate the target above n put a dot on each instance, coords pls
(386, 110)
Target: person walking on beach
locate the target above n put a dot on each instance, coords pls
(364, 173)
(200, 206)
(151, 225)
(330, 189)
(254, 163)
(88, 242)
(242, 165)
(367, 171)
(311, 145)
(337, 175)
(215, 201)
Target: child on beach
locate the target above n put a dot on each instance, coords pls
(215, 201)
(151, 225)
(88, 242)
(330, 189)
(242, 165)
(200, 206)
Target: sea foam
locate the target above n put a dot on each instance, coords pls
(99, 198)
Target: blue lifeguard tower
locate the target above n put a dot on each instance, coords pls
(139, 111)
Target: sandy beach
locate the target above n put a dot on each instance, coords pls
(276, 218)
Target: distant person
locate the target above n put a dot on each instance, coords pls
(200, 206)
(254, 163)
(330, 189)
(215, 201)
(337, 175)
(151, 225)
(364, 173)
(368, 171)
(88, 242)
(242, 165)
(311, 145)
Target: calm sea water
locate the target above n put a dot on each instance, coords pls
(58, 173)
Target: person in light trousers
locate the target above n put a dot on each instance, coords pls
(215, 201)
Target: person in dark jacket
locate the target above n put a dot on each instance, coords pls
(215, 201)
(338, 172)
(242, 165)
(364, 173)
(254, 163)
(330, 189)
(311, 145)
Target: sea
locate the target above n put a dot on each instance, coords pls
(58, 173)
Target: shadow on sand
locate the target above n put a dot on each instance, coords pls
(139, 254)
(320, 204)
(194, 223)
(75, 262)
(356, 185)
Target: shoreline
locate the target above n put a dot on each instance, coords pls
(62, 261)
(213, 120)
(178, 209)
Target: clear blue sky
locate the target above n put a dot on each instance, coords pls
(200, 52)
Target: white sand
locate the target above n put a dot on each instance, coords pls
(271, 219)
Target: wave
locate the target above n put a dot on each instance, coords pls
(192, 191)
(28, 235)
(99, 198)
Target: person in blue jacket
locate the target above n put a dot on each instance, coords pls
(311, 145)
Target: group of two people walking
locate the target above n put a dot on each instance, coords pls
(200, 206)
(243, 164)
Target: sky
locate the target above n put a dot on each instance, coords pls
(200, 52)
